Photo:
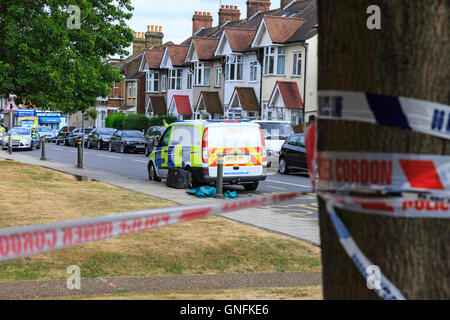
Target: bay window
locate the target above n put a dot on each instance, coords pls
(152, 83)
(274, 60)
(234, 68)
(202, 73)
(297, 64)
(175, 79)
(164, 83)
(189, 81)
(254, 71)
(218, 81)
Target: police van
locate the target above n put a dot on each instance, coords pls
(195, 145)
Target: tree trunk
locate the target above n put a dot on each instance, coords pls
(410, 57)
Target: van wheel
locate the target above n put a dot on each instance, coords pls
(152, 176)
(252, 186)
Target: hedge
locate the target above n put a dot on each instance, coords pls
(138, 122)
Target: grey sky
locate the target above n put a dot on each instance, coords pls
(175, 16)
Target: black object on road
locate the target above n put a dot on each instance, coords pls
(178, 178)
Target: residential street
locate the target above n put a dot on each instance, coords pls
(135, 166)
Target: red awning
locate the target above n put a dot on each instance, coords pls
(183, 105)
(290, 94)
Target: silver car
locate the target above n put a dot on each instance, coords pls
(22, 138)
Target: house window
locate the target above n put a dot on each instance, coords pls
(274, 60)
(234, 68)
(115, 90)
(218, 81)
(134, 89)
(130, 90)
(202, 72)
(254, 71)
(175, 79)
(164, 83)
(152, 84)
(189, 81)
(297, 64)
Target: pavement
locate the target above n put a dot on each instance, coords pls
(110, 285)
(295, 226)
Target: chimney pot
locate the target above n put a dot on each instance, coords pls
(160, 29)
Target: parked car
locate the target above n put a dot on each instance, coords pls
(99, 138)
(47, 133)
(77, 135)
(22, 138)
(275, 134)
(61, 137)
(151, 137)
(127, 140)
(293, 155)
(194, 146)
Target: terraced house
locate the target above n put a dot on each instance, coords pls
(261, 67)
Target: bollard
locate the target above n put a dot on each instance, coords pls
(219, 182)
(10, 142)
(80, 156)
(43, 158)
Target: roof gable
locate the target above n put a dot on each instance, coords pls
(275, 29)
(239, 40)
(223, 48)
(174, 56)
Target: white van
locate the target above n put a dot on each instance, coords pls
(275, 134)
(194, 144)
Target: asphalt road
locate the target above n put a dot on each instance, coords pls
(135, 166)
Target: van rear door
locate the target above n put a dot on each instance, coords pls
(241, 146)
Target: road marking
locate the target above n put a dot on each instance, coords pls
(276, 188)
(291, 184)
(139, 160)
(112, 157)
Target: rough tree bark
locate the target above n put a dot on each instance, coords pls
(410, 57)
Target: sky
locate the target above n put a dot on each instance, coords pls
(175, 16)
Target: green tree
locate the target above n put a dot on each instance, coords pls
(46, 62)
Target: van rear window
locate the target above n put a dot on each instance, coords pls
(234, 136)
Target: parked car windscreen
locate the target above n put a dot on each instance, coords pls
(107, 131)
(276, 130)
(45, 129)
(132, 134)
(21, 131)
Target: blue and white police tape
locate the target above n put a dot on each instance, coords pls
(410, 114)
(387, 290)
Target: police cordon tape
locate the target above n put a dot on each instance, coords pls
(381, 171)
(407, 113)
(420, 183)
(29, 240)
(387, 290)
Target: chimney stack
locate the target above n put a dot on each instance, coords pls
(153, 37)
(146, 40)
(201, 20)
(228, 13)
(253, 6)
